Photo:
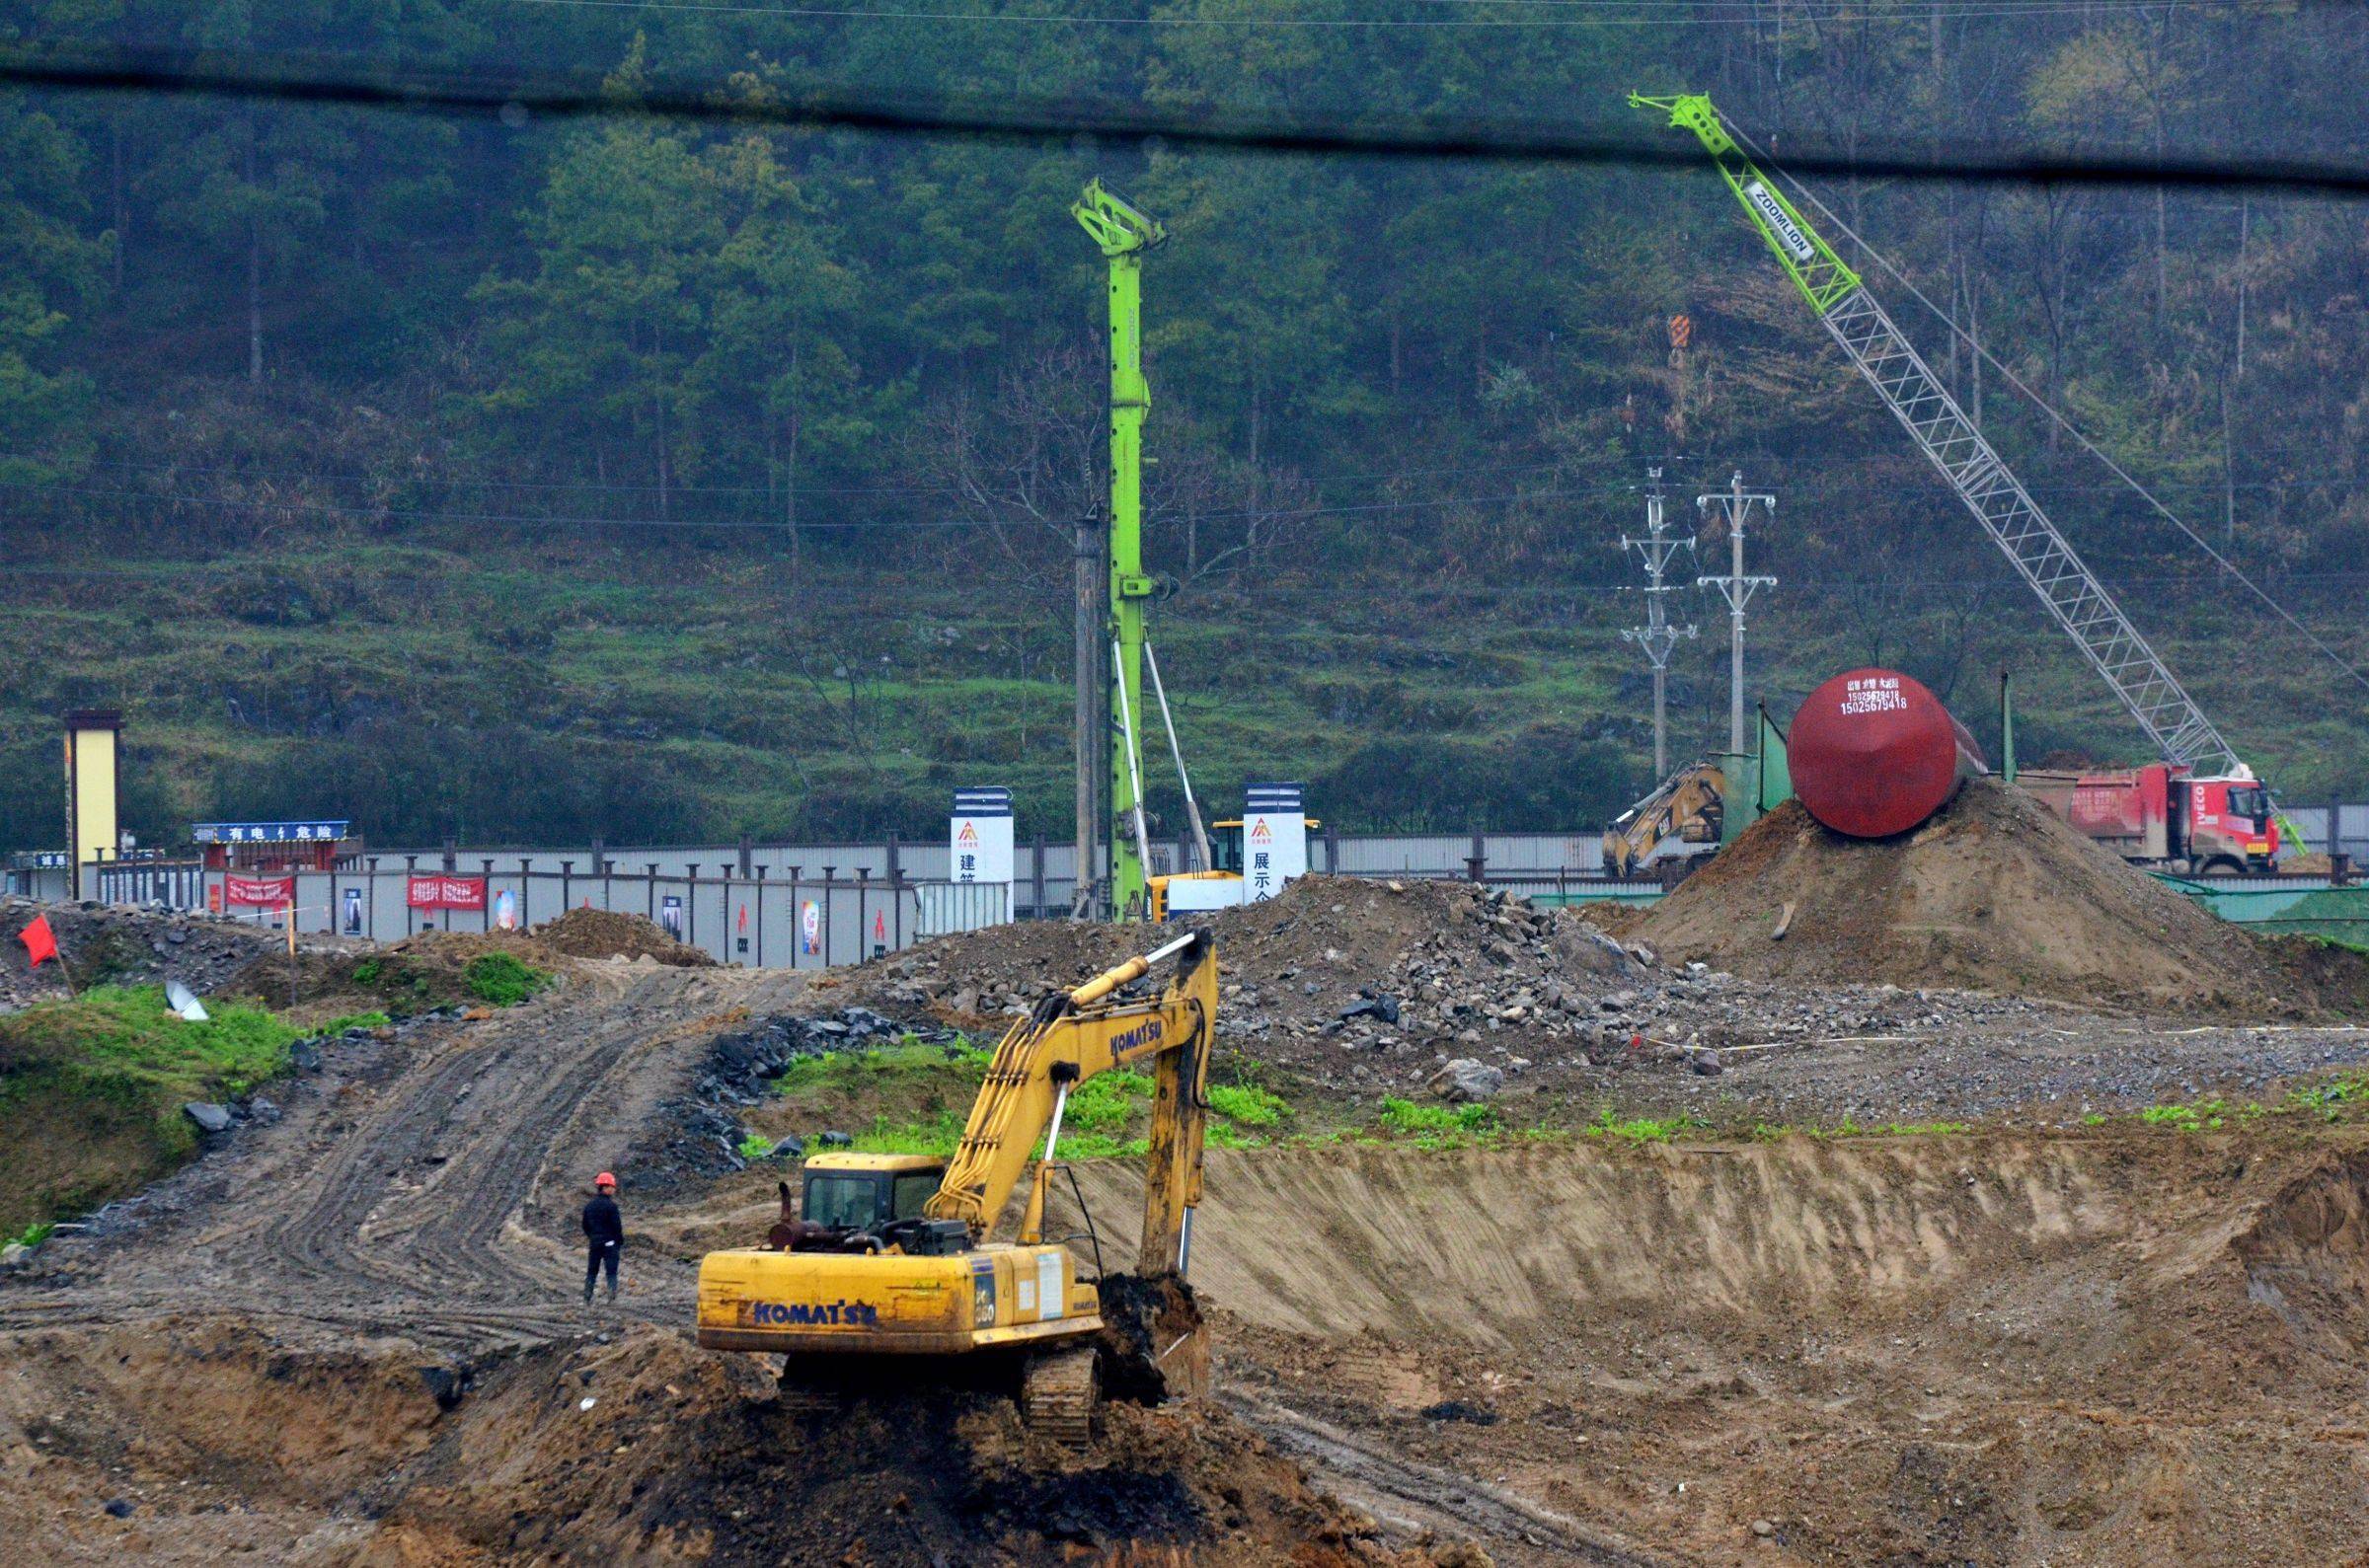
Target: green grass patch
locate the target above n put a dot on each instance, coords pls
(2186, 1118)
(1848, 1127)
(2342, 1098)
(1643, 1129)
(908, 1058)
(502, 980)
(914, 1097)
(937, 1136)
(1247, 1105)
(33, 1234)
(91, 1091)
(1437, 1125)
(1405, 1117)
(756, 1146)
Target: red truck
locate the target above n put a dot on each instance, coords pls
(2158, 815)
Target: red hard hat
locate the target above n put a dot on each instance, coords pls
(605, 1179)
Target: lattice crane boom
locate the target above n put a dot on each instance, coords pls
(2041, 555)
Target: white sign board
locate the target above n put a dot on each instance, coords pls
(1198, 895)
(1781, 222)
(1274, 840)
(981, 836)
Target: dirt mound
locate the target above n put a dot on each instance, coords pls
(212, 1439)
(1993, 894)
(419, 974)
(613, 934)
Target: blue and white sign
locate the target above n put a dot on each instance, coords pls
(315, 832)
(979, 839)
(1274, 840)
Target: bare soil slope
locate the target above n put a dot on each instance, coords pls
(1993, 894)
(2125, 1347)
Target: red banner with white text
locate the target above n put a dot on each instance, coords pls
(259, 892)
(445, 892)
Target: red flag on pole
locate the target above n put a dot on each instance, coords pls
(41, 942)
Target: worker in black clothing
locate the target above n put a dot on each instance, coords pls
(604, 1234)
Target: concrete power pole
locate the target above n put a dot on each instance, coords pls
(1657, 637)
(1738, 589)
(1091, 614)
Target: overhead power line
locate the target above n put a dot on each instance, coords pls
(1517, 13)
(1063, 122)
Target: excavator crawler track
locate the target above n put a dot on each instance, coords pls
(801, 1393)
(1061, 1395)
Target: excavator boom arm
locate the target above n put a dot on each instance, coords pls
(1079, 1036)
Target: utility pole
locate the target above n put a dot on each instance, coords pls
(1738, 589)
(1087, 661)
(1125, 233)
(1657, 637)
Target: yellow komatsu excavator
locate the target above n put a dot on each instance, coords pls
(896, 1256)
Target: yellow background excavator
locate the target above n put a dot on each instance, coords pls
(1678, 821)
(895, 1254)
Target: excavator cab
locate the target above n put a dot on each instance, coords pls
(868, 1191)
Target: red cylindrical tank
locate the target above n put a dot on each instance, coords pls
(1874, 753)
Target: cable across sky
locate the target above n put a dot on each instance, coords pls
(519, 100)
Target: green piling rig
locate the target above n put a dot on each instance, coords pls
(1124, 232)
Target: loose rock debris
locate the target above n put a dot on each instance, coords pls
(115, 945)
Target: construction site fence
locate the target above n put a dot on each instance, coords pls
(2284, 906)
(810, 906)
(1044, 872)
(801, 922)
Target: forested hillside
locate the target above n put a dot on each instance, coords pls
(522, 477)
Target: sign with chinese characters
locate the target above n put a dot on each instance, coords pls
(445, 892)
(1274, 840)
(319, 831)
(809, 927)
(259, 892)
(980, 838)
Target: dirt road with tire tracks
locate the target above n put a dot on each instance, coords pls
(427, 1184)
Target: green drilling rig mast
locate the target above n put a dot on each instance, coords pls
(1124, 232)
(2041, 556)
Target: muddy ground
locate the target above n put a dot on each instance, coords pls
(354, 1336)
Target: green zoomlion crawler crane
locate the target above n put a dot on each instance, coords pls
(2040, 555)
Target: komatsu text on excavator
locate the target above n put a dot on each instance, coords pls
(895, 1254)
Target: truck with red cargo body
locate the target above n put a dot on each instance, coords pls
(2161, 816)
